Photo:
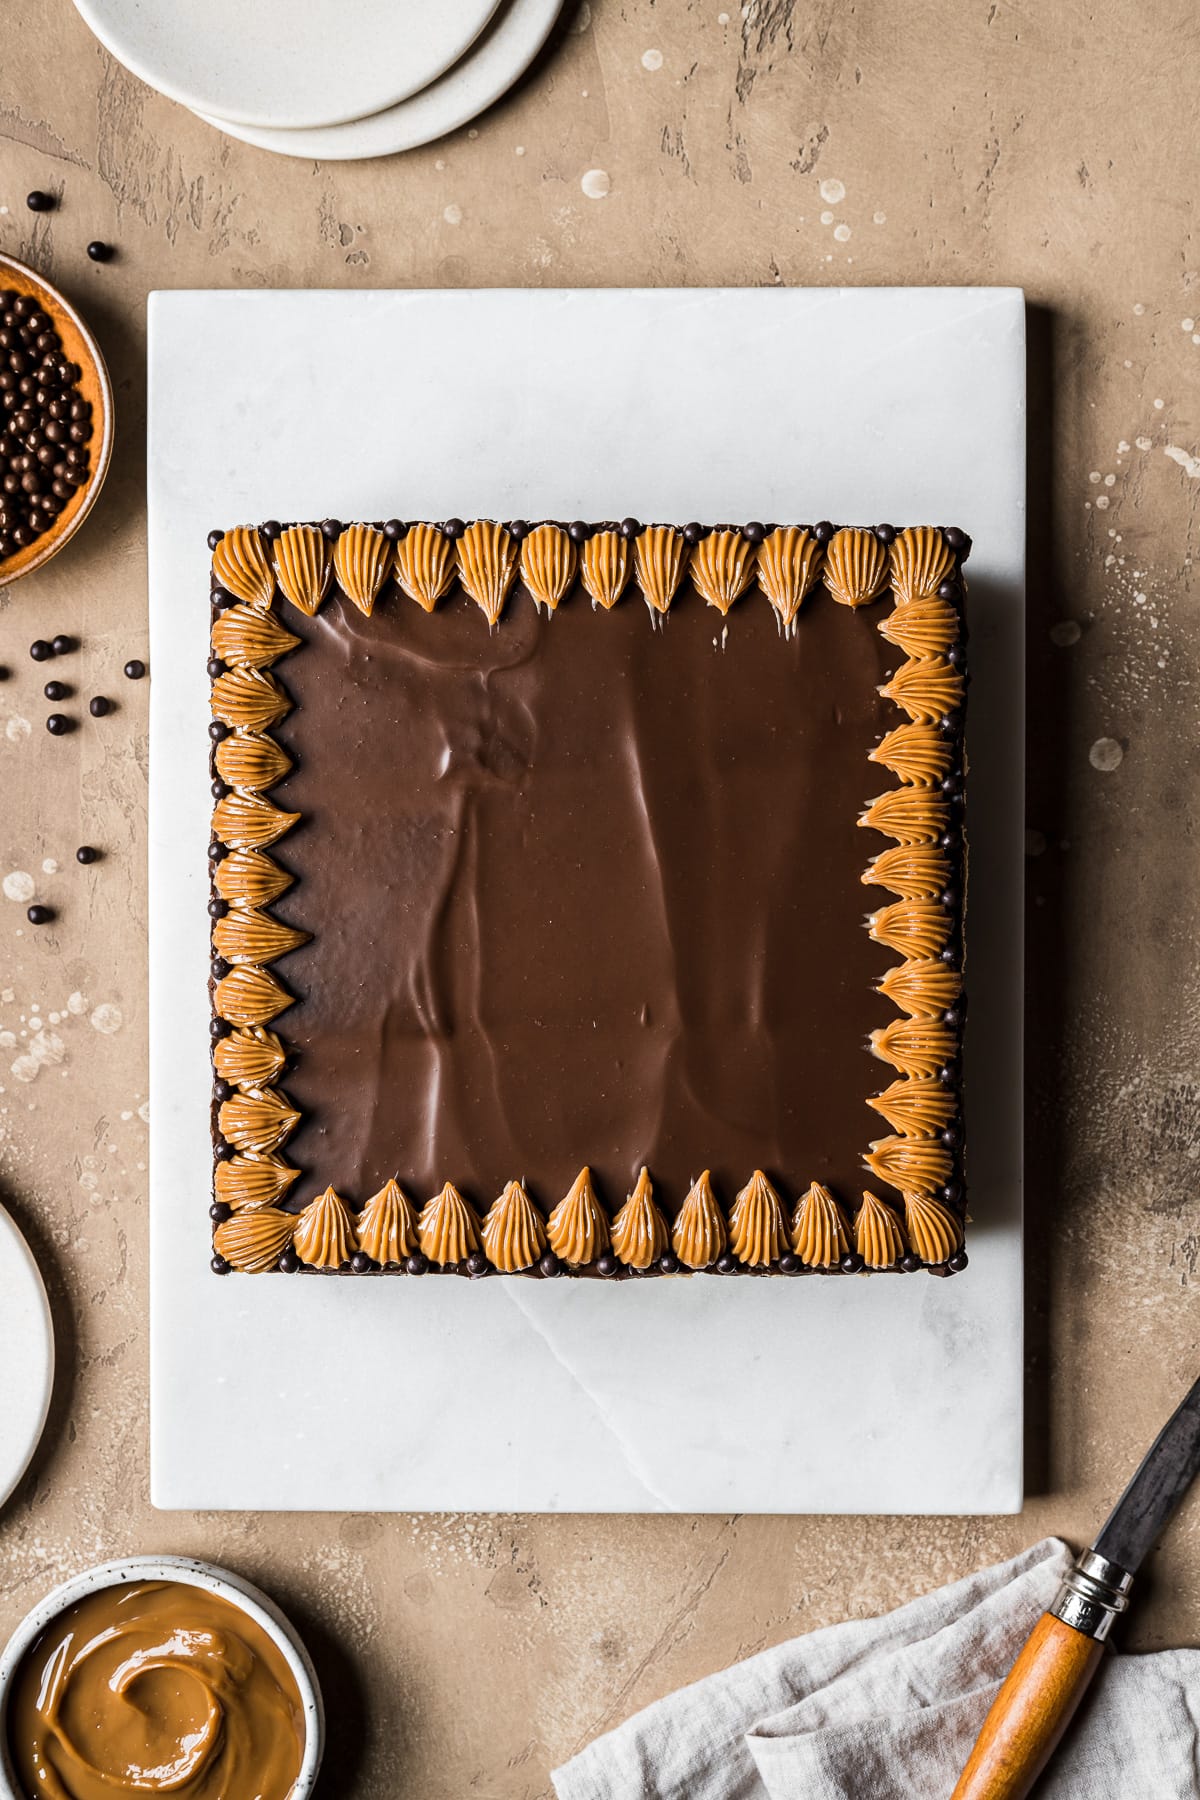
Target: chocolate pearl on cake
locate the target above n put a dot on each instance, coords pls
(218, 1212)
(57, 690)
(417, 1264)
(361, 1263)
(852, 1263)
(754, 532)
(219, 1266)
(453, 528)
(911, 1263)
(271, 530)
(578, 532)
(288, 1263)
(517, 529)
(629, 529)
(215, 667)
(224, 1152)
(58, 724)
(958, 541)
(393, 530)
(40, 915)
(790, 1264)
(86, 854)
(478, 1264)
(886, 534)
(39, 201)
(214, 538)
(217, 908)
(958, 1261)
(220, 968)
(217, 1029)
(62, 645)
(219, 789)
(216, 851)
(332, 529)
(668, 1263)
(222, 1090)
(99, 705)
(822, 531)
(218, 730)
(40, 650)
(549, 1265)
(135, 668)
(693, 531)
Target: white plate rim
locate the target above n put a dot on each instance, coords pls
(404, 126)
(16, 1257)
(380, 99)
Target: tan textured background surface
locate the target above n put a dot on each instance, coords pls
(1051, 146)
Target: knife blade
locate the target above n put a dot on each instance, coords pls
(1046, 1683)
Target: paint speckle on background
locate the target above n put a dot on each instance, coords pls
(1106, 755)
(19, 885)
(49, 866)
(1188, 463)
(832, 192)
(879, 218)
(452, 214)
(596, 184)
(652, 60)
(842, 233)
(77, 1004)
(107, 1018)
(1066, 633)
(17, 728)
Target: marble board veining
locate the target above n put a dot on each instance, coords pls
(891, 1394)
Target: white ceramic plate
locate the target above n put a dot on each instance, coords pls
(488, 70)
(281, 64)
(26, 1355)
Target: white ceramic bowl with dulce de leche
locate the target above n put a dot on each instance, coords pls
(211, 1658)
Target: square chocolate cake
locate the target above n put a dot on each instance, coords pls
(555, 930)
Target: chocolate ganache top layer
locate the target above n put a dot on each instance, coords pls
(584, 887)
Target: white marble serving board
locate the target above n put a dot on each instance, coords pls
(893, 1394)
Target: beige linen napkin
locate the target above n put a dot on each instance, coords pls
(887, 1709)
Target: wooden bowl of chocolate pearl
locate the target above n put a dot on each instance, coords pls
(56, 420)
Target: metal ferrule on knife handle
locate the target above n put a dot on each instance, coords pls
(1093, 1596)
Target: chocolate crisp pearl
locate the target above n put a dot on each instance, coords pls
(56, 690)
(40, 201)
(99, 251)
(99, 705)
(40, 915)
(58, 724)
(62, 645)
(86, 854)
(40, 650)
(135, 669)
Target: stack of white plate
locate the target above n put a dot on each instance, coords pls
(327, 79)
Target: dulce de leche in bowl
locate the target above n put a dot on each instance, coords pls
(160, 1686)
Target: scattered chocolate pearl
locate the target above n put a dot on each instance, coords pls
(668, 1263)
(40, 650)
(58, 724)
(692, 532)
(57, 690)
(958, 1261)
(40, 915)
(218, 1212)
(288, 1263)
(63, 645)
(361, 1263)
(789, 1264)
(607, 1264)
(417, 1263)
(4, 673)
(215, 667)
(518, 529)
(478, 1264)
(393, 530)
(852, 1262)
(822, 531)
(911, 1263)
(549, 1266)
(214, 538)
(219, 1266)
(99, 705)
(578, 532)
(223, 1090)
(453, 528)
(331, 529)
(754, 532)
(629, 529)
(886, 534)
(86, 854)
(135, 668)
(218, 730)
(40, 201)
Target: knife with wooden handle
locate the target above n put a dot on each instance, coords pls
(1064, 1649)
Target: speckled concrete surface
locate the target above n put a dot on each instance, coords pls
(955, 140)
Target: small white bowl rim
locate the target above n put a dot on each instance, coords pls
(191, 1572)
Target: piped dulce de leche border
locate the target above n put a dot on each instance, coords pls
(921, 1224)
